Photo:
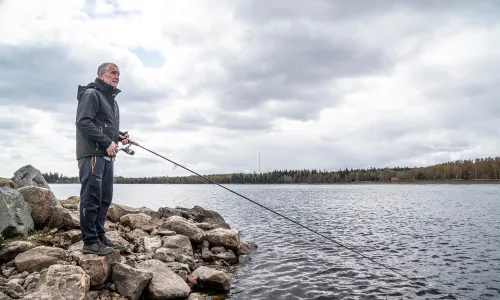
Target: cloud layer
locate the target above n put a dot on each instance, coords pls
(323, 84)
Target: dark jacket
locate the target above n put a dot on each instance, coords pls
(97, 119)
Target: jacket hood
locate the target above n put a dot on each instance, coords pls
(97, 84)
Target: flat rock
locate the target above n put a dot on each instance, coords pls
(136, 221)
(228, 238)
(179, 244)
(15, 214)
(182, 226)
(62, 282)
(12, 249)
(165, 284)
(130, 282)
(116, 211)
(211, 278)
(38, 258)
(152, 243)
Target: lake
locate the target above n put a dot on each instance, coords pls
(445, 238)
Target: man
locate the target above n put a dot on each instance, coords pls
(97, 136)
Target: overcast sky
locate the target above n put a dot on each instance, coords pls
(210, 84)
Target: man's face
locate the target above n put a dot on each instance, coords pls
(111, 76)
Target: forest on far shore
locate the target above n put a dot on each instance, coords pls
(479, 169)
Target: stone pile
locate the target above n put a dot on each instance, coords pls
(171, 253)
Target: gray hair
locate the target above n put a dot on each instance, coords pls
(103, 67)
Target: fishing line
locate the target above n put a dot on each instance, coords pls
(281, 215)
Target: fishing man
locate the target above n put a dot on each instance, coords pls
(97, 135)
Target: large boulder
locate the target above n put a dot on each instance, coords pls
(116, 211)
(42, 202)
(179, 244)
(136, 221)
(15, 214)
(165, 284)
(39, 258)
(29, 176)
(182, 226)
(64, 219)
(201, 215)
(62, 282)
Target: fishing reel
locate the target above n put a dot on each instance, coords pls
(127, 150)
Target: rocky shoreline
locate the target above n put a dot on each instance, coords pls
(171, 253)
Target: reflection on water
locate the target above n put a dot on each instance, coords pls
(445, 238)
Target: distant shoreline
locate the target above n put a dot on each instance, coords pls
(459, 181)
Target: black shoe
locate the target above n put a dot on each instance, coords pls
(109, 243)
(97, 248)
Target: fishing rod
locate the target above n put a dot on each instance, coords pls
(130, 151)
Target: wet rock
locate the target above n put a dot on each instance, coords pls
(136, 221)
(165, 284)
(121, 243)
(196, 296)
(201, 215)
(29, 176)
(12, 249)
(179, 244)
(116, 211)
(130, 282)
(182, 226)
(42, 202)
(38, 258)
(228, 238)
(246, 248)
(211, 278)
(62, 282)
(15, 214)
(97, 267)
(7, 182)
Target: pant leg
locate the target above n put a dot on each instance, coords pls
(91, 172)
(107, 197)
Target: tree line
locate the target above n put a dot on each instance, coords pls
(478, 169)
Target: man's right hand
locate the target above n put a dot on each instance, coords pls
(112, 149)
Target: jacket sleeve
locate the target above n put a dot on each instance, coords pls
(85, 114)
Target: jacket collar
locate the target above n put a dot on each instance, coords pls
(106, 88)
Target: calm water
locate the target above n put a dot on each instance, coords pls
(446, 238)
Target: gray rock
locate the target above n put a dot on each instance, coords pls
(165, 255)
(196, 296)
(14, 290)
(116, 211)
(15, 214)
(38, 258)
(187, 260)
(12, 249)
(152, 243)
(130, 282)
(29, 176)
(228, 238)
(7, 182)
(211, 278)
(246, 248)
(167, 212)
(182, 226)
(135, 221)
(42, 202)
(165, 284)
(73, 236)
(201, 215)
(4, 297)
(64, 219)
(116, 239)
(62, 282)
(180, 244)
